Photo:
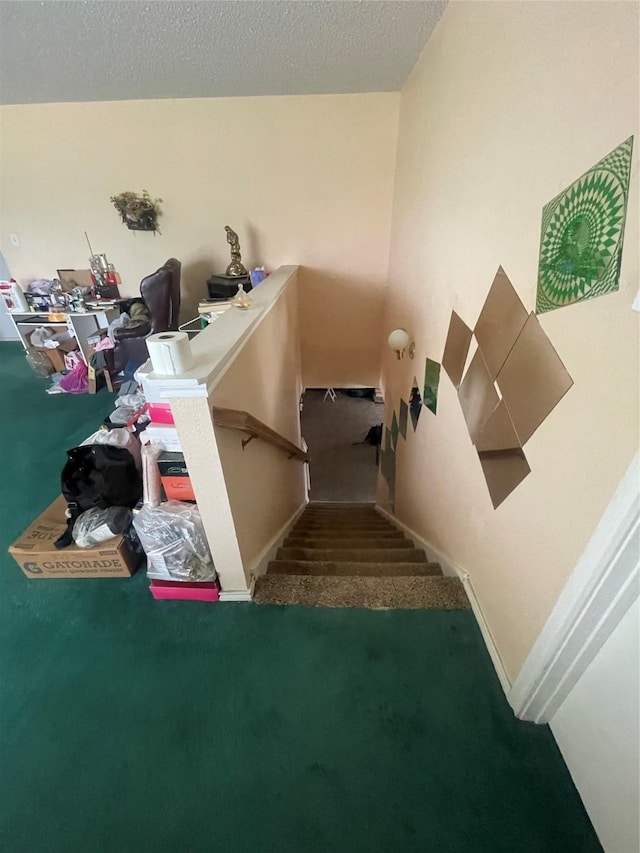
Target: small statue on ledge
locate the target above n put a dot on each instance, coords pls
(236, 266)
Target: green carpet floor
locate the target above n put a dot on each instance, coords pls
(134, 725)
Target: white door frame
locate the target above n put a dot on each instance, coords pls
(602, 587)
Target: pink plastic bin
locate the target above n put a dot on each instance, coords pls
(160, 413)
(186, 591)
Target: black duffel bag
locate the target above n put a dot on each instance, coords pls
(97, 475)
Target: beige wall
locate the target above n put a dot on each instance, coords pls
(264, 486)
(305, 180)
(509, 103)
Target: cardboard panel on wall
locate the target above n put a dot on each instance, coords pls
(500, 322)
(431, 383)
(503, 470)
(478, 396)
(498, 433)
(403, 419)
(533, 379)
(456, 348)
(394, 431)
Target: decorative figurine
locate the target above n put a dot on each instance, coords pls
(242, 299)
(236, 266)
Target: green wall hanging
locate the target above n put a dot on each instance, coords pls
(582, 234)
(431, 382)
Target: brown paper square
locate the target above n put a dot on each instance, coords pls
(532, 380)
(498, 432)
(456, 348)
(503, 470)
(500, 322)
(478, 396)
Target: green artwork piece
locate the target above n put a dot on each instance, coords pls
(582, 234)
(394, 431)
(404, 416)
(387, 438)
(431, 382)
(415, 404)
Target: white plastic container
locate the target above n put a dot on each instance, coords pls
(13, 296)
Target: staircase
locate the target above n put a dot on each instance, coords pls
(349, 555)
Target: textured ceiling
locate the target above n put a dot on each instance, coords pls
(64, 50)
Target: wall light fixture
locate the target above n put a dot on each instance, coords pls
(399, 341)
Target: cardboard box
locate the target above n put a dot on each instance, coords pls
(56, 354)
(175, 477)
(35, 554)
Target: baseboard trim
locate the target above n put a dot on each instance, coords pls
(269, 551)
(454, 570)
(236, 595)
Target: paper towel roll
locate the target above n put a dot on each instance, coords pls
(170, 353)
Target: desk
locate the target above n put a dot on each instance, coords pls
(81, 326)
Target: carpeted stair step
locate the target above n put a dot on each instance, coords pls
(335, 514)
(335, 518)
(319, 527)
(354, 555)
(344, 568)
(386, 533)
(349, 542)
(397, 593)
(314, 509)
(341, 505)
(317, 506)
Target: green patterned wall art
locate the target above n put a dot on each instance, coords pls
(431, 382)
(415, 404)
(582, 234)
(404, 417)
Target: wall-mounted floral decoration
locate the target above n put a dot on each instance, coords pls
(138, 212)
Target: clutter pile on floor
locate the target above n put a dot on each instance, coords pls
(126, 496)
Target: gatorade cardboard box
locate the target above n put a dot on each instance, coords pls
(34, 551)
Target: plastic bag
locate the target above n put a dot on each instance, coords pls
(131, 401)
(72, 359)
(117, 438)
(97, 525)
(40, 364)
(40, 336)
(122, 415)
(116, 324)
(77, 381)
(41, 286)
(173, 538)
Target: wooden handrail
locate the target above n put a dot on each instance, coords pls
(244, 422)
